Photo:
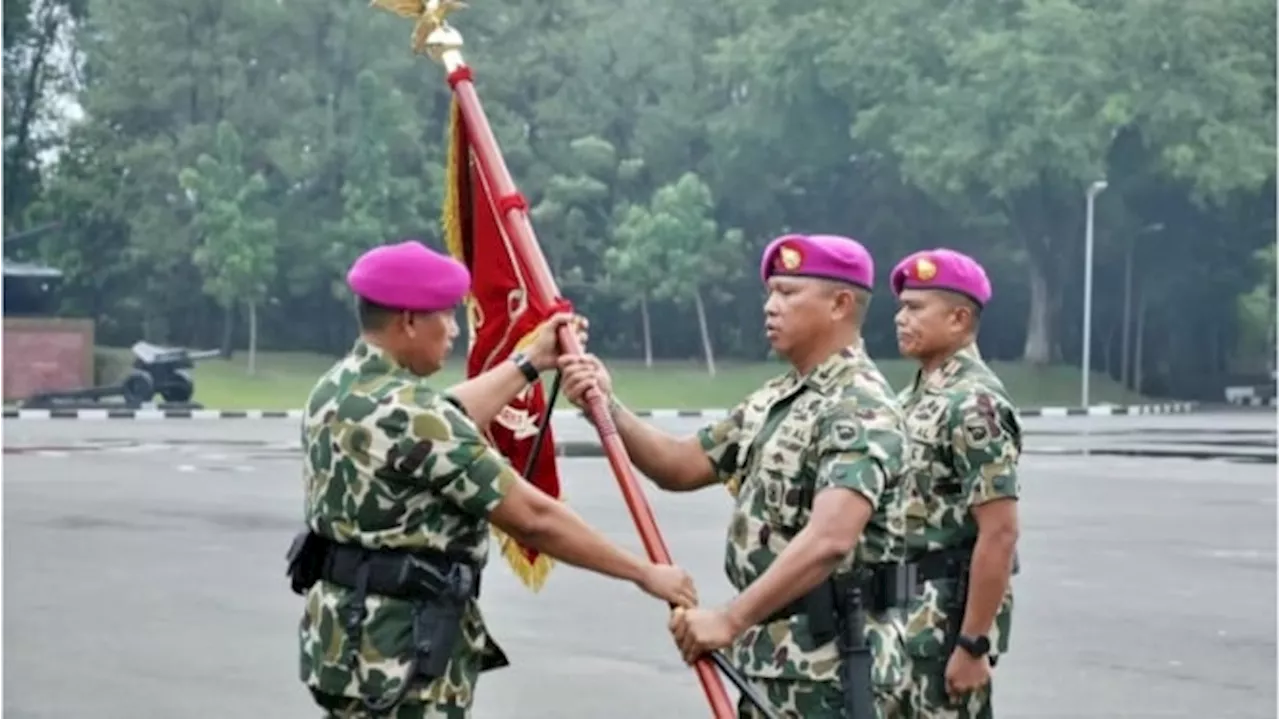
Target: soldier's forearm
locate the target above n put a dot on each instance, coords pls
(989, 572)
(562, 534)
(484, 395)
(645, 444)
(667, 460)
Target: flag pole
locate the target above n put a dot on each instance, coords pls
(433, 36)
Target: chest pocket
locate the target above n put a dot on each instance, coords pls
(777, 456)
(930, 458)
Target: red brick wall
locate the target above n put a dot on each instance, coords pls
(44, 354)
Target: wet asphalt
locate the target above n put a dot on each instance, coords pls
(144, 577)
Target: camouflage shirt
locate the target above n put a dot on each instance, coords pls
(965, 440)
(391, 463)
(837, 426)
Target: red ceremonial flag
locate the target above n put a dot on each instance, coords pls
(502, 313)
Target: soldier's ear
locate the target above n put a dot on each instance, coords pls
(959, 312)
(966, 316)
(846, 303)
(955, 315)
(971, 313)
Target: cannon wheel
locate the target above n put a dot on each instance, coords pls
(137, 387)
(180, 388)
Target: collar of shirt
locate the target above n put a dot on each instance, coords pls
(831, 373)
(957, 364)
(372, 359)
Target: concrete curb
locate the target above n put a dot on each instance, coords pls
(707, 414)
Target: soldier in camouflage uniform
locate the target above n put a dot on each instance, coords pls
(812, 459)
(400, 490)
(961, 487)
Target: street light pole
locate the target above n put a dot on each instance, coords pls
(1097, 187)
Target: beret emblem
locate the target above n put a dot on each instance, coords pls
(789, 257)
(925, 269)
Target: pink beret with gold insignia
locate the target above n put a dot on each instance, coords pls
(829, 257)
(942, 269)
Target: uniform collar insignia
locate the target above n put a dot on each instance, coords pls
(833, 371)
(964, 360)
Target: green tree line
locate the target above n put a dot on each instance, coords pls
(234, 156)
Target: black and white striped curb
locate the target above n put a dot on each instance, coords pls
(143, 414)
(1108, 410)
(704, 414)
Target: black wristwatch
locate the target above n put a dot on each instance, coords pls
(526, 367)
(975, 646)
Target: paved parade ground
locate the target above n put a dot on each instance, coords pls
(144, 577)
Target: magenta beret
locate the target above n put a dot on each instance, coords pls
(942, 269)
(830, 257)
(409, 276)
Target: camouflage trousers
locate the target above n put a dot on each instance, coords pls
(794, 699)
(348, 708)
(929, 699)
(890, 684)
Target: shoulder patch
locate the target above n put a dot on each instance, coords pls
(847, 434)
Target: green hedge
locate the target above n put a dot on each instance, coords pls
(109, 366)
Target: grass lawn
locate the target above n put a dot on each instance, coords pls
(283, 380)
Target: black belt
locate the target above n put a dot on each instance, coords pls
(400, 574)
(883, 585)
(879, 585)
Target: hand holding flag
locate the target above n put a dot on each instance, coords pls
(542, 346)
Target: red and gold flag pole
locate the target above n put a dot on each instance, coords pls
(434, 37)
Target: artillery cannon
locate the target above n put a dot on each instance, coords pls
(155, 370)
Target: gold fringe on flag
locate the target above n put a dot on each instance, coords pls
(532, 575)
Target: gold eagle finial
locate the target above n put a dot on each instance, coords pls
(431, 15)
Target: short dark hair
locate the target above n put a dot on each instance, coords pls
(373, 316)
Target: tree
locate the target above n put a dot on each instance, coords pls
(39, 78)
(84, 193)
(1002, 107)
(633, 267)
(377, 203)
(976, 125)
(693, 257)
(579, 205)
(236, 251)
(1257, 309)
